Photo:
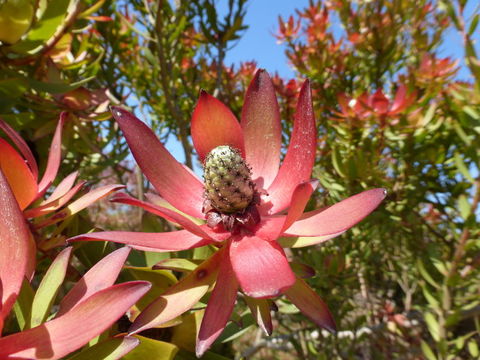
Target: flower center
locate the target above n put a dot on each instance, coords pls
(230, 195)
(228, 183)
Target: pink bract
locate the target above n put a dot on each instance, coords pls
(251, 260)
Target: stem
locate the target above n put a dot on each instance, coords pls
(170, 97)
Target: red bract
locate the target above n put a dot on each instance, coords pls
(21, 172)
(376, 104)
(432, 68)
(250, 258)
(82, 314)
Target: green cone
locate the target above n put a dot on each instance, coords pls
(228, 183)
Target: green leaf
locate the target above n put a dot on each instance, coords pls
(233, 331)
(473, 349)
(427, 351)
(152, 350)
(46, 27)
(57, 88)
(429, 115)
(161, 280)
(473, 24)
(464, 206)
(425, 274)
(48, 288)
(432, 325)
(23, 304)
(181, 265)
(462, 167)
(432, 301)
(111, 349)
(337, 163)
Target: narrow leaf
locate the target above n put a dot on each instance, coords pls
(59, 337)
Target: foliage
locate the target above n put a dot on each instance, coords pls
(392, 110)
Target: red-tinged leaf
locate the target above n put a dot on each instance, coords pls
(16, 248)
(180, 297)
(340, 217)
(153, 350)
(213, 124)
(260, 266)
(22, 146)
(300, 198)
(310, 304)
(261, 125)
(111, 349)
(298, 164)
(260, 309)
(172, 216)
(53, 205)
(59, 337)
(400, 98)
(159, 201)
(343, 102)
(81, 203)
(54, 156)
(63, 188)
(269, 227)
(18, 174)
(102, 275)
(177, 264)
(158, 242)
(302, 271)
(48, 288)
(379, 102)
(178, 186)
(219, 307)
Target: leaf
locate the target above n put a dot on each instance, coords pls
(472, 346)
(426, 275)
(53, 17)
(59, 337)
(310, 304)
(57, 88)
(464, 207)
(260, 309)
(432, 301)
(181, 297)
(48, 288)
(427, 351)
(102, 275)
(432, 325)
(17, 247)
(181, 265)
(184, 335)
(23, 305)
(233, 330)
(152, 350)
(111, 349)
(462, 167)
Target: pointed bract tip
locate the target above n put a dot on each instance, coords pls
(117, 111)
(385, 192)
(200, 348)
(331, 326)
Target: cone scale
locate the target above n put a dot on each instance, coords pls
(230, 195)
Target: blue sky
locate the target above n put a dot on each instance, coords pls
(259, 44)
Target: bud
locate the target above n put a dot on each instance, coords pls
(228, 184)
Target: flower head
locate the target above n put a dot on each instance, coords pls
(249, 207)
(20, 170)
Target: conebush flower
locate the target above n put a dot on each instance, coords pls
(251, 206)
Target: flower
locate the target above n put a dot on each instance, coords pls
(249, 239)
(21, 173)
(376, 104)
